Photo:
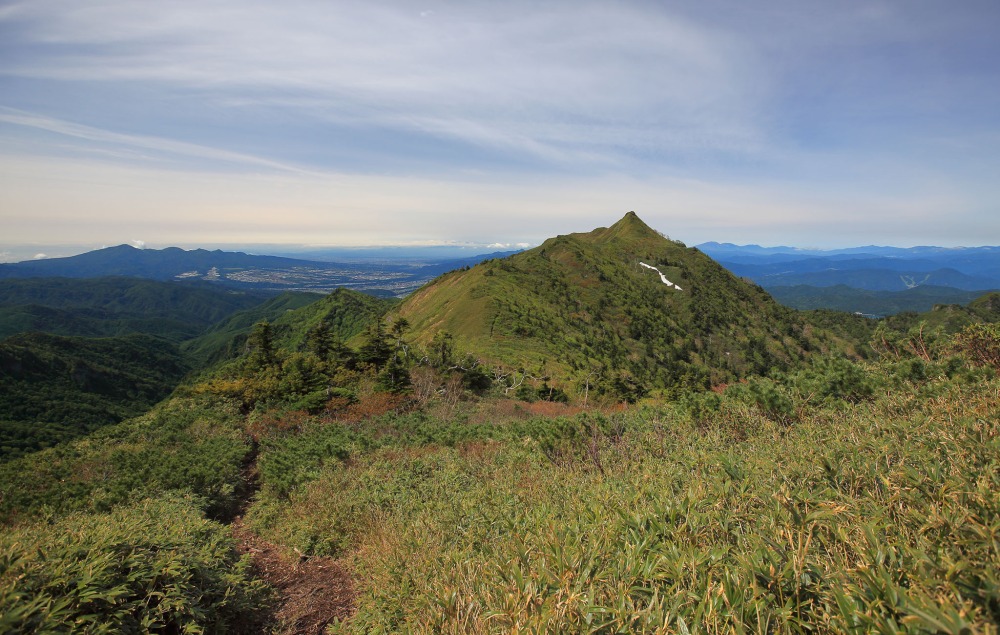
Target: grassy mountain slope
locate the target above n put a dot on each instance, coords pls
(862, 513)
(951, 318)
(940, 320)
(583, 304)
(836, 497)
(868, 516)
(987, 307)
(345, 312)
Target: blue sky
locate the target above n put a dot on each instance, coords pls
(814, 124)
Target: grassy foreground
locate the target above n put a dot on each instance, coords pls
(731, 514)
(843, 497)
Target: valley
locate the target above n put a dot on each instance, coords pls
(247, 272)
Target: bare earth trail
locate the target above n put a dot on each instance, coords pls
(311, 591)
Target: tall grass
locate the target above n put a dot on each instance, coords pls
(874, 513)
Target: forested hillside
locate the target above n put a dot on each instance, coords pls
(871, 303)
(105, 307)
(631, 310)
(55, 388)
(79, 354)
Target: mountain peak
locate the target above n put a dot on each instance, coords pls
(123, 248)
(630, 217)
(588, 303)
(629, 228)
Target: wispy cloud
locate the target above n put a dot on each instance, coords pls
(165, 146)
(548, 80)
(584, 83)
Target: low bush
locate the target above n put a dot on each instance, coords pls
(157, 566)
(182, 446)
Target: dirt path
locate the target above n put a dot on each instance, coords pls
(312, 592)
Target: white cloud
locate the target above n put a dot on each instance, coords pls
(508, 246)
(139, 244)
(167, 146)
(39, 257)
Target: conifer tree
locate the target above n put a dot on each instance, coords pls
(375, 351)
(442, 349)
(319, 340)
(260, 347)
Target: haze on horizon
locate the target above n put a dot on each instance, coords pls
(188, 123)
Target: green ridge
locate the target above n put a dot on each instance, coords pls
(582, 304)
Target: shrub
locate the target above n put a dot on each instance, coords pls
(701, 407)
(157, 566)
(181, 446)
(291, 460)
(770, 397)
(981, 344)
(832, 378)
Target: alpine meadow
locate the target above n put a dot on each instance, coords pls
(607, 433)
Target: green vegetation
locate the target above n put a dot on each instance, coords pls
(54, 389)
(153, 567)
(183, 445)
(224, 338)
(109, 350)
(840, 497)
(951, 318)
(580, 312)
(831, 474)
(870, 302)
(108, 307)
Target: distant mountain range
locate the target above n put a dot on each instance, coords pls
(241, 270)
(870, 279)
(732, 252)
(873, 268)
(619, 312)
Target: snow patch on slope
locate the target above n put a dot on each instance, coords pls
(662, 277)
